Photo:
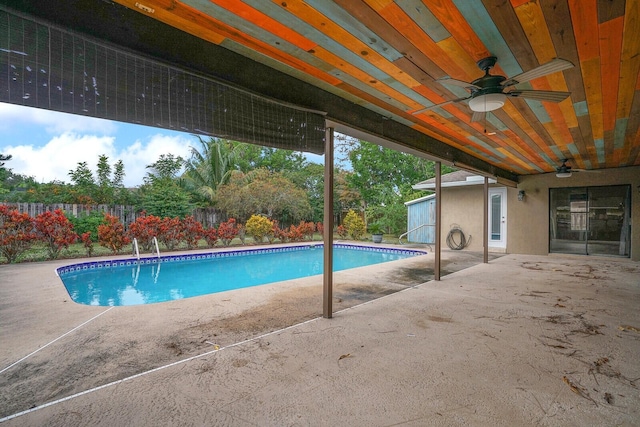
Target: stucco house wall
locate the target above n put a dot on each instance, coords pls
(528, 221)
(463, 206)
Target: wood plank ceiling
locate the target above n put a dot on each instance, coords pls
(389, 56)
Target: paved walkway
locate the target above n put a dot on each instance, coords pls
(523, 340)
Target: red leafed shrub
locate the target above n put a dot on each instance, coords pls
(296, 234)
(307, 229)
(227, 231)
(211, 236)
(56, 231)
(144, 229)
(87, 242)
(17, 233)
(111, 234)
(342, 231)
(279, 233)
(320, 228)
(170, 232)
(192, 231)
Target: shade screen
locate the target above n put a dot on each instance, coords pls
(47, 67)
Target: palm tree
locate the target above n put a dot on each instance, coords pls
(210, 167)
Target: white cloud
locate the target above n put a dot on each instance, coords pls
(53, 122)
(55, 159)
(138, 155)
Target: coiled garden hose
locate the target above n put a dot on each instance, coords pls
(456, 239)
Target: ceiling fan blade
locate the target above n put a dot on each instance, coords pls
(553, 66)
(454, 82)
(586, 170)
(438, 105)
(540, 95)
(477, 116)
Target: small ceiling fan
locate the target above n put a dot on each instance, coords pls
(563, 171)
(487, 93)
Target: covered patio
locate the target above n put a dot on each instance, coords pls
(524, 340)
(531, 338)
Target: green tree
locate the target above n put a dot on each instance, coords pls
(121, 195)
(311, 179)
(210, 167)
(82, 180)
(384, 178)
(251, 157)
(4, 173)
(106, 188)
(263, 192)
(27, 190)
(160, 194)
(167, 166)
(346, 196)
(381, 174)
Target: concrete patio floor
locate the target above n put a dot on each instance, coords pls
(524, 340)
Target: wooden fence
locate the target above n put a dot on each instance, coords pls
(127, 214)
(209, 217)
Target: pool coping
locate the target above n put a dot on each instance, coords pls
(225, 253)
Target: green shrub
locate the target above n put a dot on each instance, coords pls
(258, 227)
(354, 225)
(87, 222)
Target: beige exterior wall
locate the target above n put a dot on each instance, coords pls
(528, 220)
(464, 206)
(528, 223)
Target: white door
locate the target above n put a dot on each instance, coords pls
(498, 218)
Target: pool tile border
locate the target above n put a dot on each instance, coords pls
(72, 268)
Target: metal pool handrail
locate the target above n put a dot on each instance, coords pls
(136, 251)
(412, 230)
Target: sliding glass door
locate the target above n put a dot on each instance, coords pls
(590, 220)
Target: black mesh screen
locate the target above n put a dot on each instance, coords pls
(45, 67)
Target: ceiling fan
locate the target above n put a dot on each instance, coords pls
(487, 93)
(563, 171)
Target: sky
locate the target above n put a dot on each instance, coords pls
(47, 145)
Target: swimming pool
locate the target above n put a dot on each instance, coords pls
(152, 280)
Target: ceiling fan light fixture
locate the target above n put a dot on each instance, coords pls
(563, 174)
(487, 102)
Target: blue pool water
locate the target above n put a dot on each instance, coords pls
(151, 280)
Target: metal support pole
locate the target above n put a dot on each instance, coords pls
(438, 238)
(485, 239)
(327, 293)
